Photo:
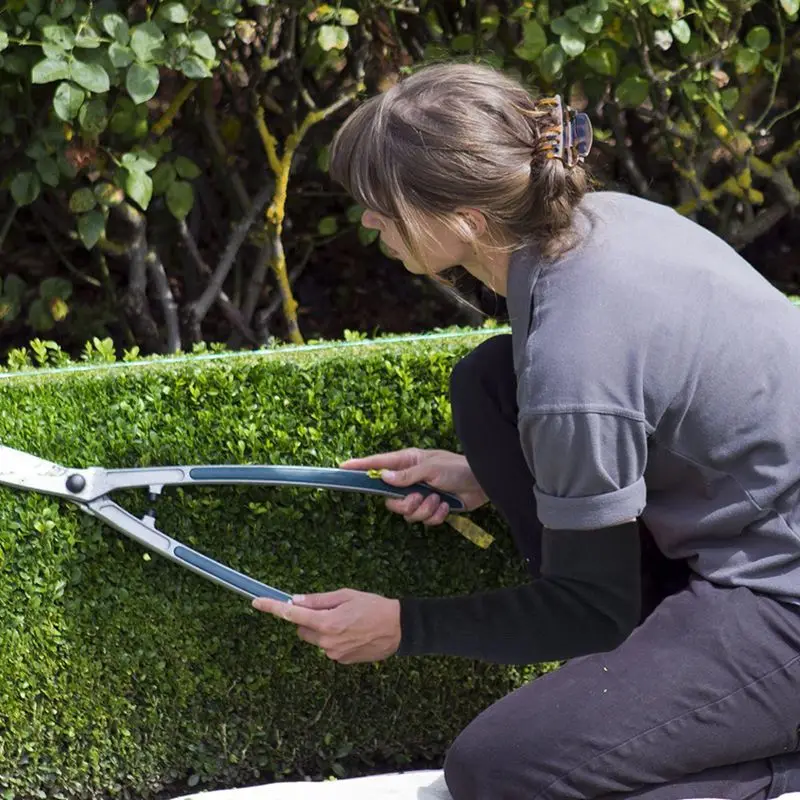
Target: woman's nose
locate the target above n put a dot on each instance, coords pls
(369, 219)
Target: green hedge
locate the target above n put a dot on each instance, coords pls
(121, 673)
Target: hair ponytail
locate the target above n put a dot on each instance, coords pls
(466, 135)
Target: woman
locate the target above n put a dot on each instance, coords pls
(639, 430)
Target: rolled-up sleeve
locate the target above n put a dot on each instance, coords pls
(588, 467)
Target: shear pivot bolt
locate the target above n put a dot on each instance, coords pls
(76, 483)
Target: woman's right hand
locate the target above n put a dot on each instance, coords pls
(441, 469)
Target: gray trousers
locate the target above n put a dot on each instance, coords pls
(701, 701)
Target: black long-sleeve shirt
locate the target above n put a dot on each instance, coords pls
(587, 600)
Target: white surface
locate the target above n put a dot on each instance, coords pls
(425, 784)
(414, 785)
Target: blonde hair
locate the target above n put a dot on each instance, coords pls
(461, 135)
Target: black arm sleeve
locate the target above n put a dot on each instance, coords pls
(587, 600)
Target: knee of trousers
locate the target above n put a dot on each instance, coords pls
(536, 755)
(465, 765)
(484, 381)
(485, 762)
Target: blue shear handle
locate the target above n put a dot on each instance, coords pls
(227, 576)
(318, 477)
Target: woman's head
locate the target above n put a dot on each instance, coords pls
(455, 157)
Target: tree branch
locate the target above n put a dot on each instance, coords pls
(230, 176)
(7, 223)
(60, 253)
(781, 160)
(783, 115)
(281, 166)
(166, 298)
(99, 257)
(763, 221)
(625, 156)
(199, 308)
(256, 284)
(776, 77)
(175, 106)
(665, 122)
(136, 248)
(730, 40)
(223, 301)
(264, 316)
(285, 286)
(134, 301)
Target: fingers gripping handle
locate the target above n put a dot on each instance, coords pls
(318, 477)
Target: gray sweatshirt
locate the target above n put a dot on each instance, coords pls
(659, 376)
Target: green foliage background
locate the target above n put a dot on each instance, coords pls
(137, 136)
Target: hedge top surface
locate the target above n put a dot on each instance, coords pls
(285, 353)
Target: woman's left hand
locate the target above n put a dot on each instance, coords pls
(350, 626)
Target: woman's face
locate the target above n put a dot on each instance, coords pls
(441, 250)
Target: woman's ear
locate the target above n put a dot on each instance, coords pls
(474, 221)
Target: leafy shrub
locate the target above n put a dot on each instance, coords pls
(120, 673)
(695, 100)
(186, 143)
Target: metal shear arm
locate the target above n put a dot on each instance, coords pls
(90, 489)
(101, 482)
(145, 533)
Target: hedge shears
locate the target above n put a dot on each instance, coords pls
(91, 490)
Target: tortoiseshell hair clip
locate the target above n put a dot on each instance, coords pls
(571, 139)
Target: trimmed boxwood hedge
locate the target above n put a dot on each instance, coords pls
(122, 673)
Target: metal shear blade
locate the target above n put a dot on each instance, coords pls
(23, 471)
(29, 472)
